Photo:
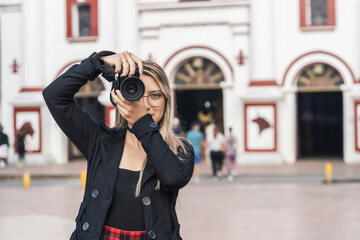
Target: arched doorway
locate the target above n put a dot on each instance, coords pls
(198, 92)
(320, 112)
(87, 99)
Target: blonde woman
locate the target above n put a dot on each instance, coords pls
(135, 170)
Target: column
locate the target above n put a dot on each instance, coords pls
(262, 57)
(127, 26)
(32, 44)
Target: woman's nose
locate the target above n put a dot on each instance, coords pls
(146, 102)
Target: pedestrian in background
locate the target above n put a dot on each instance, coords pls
(196, 137)
(4, 148)
(217, 147)
(20, 146)
(230, 155)
(177, 129)
(25, 129)
(134, 170)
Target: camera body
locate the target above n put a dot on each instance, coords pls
(131, 87)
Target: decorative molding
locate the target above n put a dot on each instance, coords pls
(82, 39)
(261, 126)
(317, 52)
(200, 47)
(189, 5)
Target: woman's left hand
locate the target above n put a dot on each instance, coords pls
(130, 110)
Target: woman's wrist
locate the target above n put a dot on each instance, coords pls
(143, 126)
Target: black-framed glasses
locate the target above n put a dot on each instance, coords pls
(155, 98)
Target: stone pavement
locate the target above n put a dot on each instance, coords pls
(304, 169)
(289, 209)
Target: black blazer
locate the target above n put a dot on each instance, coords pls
(103, 147)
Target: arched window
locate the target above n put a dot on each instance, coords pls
(319, 76)
(198, 72)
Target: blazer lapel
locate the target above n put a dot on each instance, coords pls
(111, 148)
(148, 173)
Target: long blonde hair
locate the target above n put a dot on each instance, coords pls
(153, 70)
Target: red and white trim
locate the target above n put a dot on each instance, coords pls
(32, 115)
(273, 125)
(356, 120)
(304, 13)
(263, 83)
(93, 16)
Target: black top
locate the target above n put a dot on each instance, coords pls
(125, 211)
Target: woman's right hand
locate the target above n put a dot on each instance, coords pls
(126, 61)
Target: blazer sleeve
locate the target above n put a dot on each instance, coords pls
(78, 126)
(173, 171)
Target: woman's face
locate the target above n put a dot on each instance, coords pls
(153, 98)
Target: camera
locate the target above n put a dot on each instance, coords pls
(131, 87)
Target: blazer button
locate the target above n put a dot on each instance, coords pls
(94, 193)
(146, 201)
(152, 234)
(153, 124)
(85, 226)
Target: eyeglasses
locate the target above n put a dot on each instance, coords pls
(156, 98)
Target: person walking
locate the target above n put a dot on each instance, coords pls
(196, 137)
(177, 129)
(217, 146)
(135, 170)
(4, 148)
(230, 155)
(25, 129)
(20, 146)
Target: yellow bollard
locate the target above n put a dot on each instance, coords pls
(83, 178)
(328, 173)
(26, 180)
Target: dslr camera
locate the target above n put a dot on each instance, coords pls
(131, 87)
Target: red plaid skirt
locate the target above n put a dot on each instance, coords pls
(109, 233)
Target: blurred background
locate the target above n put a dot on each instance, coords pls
(283, 74)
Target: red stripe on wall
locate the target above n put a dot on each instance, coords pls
(262, 83)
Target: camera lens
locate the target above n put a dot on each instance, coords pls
(132, 88)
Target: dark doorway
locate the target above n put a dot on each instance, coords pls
(200, 105)
(92, 106)
(320, 124)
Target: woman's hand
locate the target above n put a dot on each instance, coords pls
(130, 110)
(125, 61)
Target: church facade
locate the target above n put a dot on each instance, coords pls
(284, 74)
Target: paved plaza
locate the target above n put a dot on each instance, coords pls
(260, 205)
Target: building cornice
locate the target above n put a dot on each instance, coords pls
(191, 5)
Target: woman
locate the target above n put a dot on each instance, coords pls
(230, 155)
(134, 171)
(217, 146)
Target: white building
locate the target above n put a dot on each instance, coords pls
(283, 73)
